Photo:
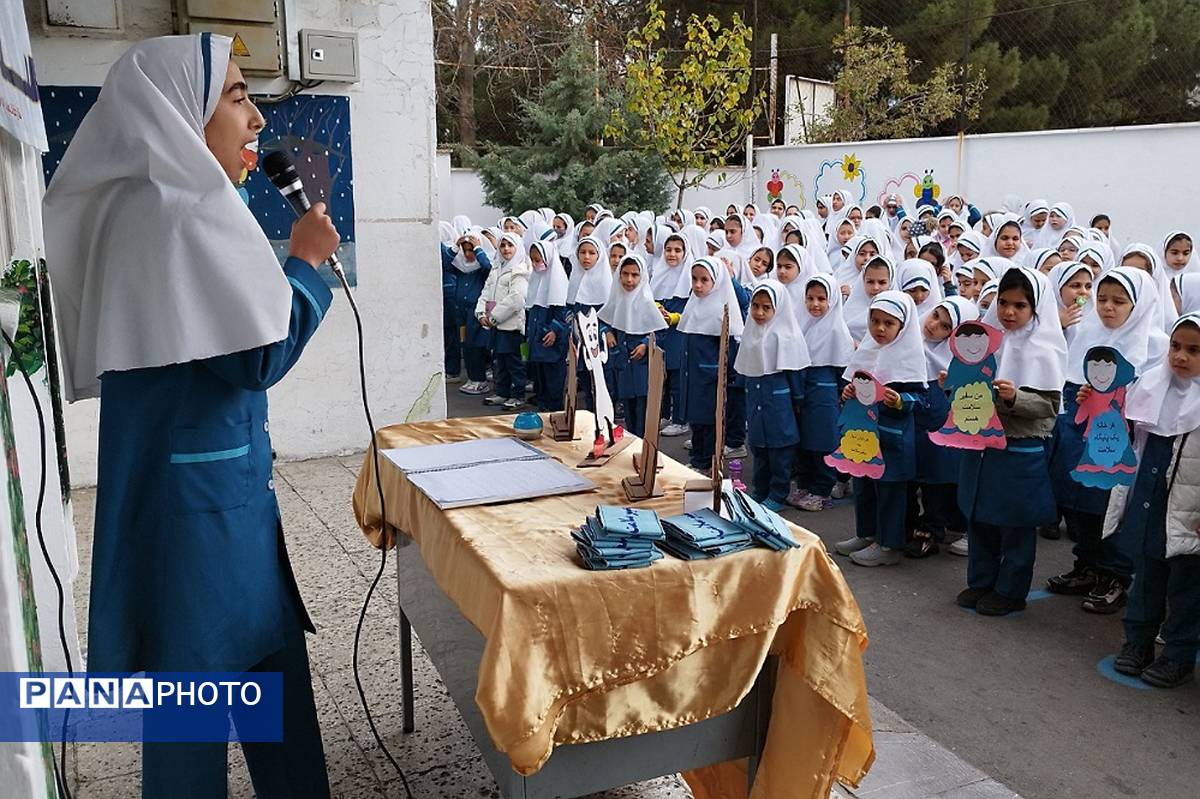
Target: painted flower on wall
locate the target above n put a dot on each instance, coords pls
(851, 167)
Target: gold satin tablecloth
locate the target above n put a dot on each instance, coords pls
(573, 655)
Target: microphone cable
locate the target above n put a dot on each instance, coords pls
(362, 615)
(60, 766)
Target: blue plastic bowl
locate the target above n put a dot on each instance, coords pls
(528, 425)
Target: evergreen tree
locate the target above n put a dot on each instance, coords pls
(561, 162)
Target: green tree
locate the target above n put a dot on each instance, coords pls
(561, 161)
(696, 110)
(879, 99)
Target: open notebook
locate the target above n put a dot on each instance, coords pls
(485, 471)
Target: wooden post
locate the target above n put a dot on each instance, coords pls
(562, 423)
(645, 463)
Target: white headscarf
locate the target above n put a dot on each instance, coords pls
(153, 257)
(590, 286)
(972, 240)
(829, 340)
(917, 272)
(461, 223)
(668, 281)
(989, 248)
(548, 287)
(566, 242)
(446, 232)
(702, 315)
(460, 259)
(777, 346)
(1193, 264)
(1059, 277)
(803, 259)
(938, 354)
(1188, 286)
(1140, 340)
(1097, 252)
(1162, 281)
(859, 302)
(1162, 403)
(1034, 356)
(903, 359)
(632, 312)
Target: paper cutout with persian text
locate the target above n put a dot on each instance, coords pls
(858, 453)
(972, 422)
(1108, 459)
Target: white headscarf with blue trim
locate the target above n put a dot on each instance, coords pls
(1139, 338)
(137, 282)
(778, 345)
(902, 360)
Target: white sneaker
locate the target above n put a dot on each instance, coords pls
(852, 545)
(737, 452)
(676, 430)
(842, 490)
(688, 445)
(458, 378)
(495, 399)
(876, 555)
(513, 404)
(474, 387)
(959, 547)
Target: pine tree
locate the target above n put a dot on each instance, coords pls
(561, 162)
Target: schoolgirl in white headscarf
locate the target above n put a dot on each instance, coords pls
(1139, 338)
(1186, 288)
(1071, 315)
(917, 273)
(589, 286)
(702, 316)
(860, 299)
(938, 353)
(903, 359)
(1179, 241)
(667, 281)
(1166, 305)
(777, 346)
(830, 342)
(1033, 356)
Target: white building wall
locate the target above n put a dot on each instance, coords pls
(1144, 177)
(316, 409)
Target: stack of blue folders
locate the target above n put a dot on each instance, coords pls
(703, 534)
(764, 525)
(619, 538)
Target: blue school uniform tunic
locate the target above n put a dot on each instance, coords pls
(770, 406)
(540, 320)
(633, 377)
(897, 432)
(819, 421)
(1144, 526)
(189, 569)
(466, 295)
(671, 340)
(1067, 445)
(936, 465)
(698, 397)
(1007, 487)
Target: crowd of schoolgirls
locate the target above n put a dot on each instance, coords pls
(850, 303)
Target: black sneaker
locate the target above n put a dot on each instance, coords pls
(970, 597)
(1106, 598)
(1167, 673)
(1134, 659)
(1077, 582)
(1050, 531)
(922, 545)
(994, 604)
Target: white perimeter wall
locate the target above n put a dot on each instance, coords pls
(316, 410)
(1144, 177)
(460, 191)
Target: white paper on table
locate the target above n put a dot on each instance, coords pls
(696, 500)
(461, 453)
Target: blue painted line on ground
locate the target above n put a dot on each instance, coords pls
(1105, 667)
(1041, 593)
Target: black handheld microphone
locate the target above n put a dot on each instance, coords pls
(280, 170)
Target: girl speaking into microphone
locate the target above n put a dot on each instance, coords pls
(174, 311)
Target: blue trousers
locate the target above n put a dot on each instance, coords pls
(635, 415)
(452, 346)
(1001, 558)
(549, 377)
(1166, 591)
(879, 510)
(813, 474)
(670, 408)
(704, 438)
(476, 359)
(735, 416)
(508, 369)
(1093, 549)
(292, 769)
(772, 473)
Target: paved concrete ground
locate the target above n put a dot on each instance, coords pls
(1019, 699)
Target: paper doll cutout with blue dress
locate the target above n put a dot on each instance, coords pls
(858, 453)
(1108, 459)
(972, 422)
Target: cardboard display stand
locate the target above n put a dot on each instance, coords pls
(645, 463)
(562, 423)
(713, 484)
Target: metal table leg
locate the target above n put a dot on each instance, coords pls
(406, 665)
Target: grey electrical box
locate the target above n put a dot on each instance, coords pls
(329, 55)
(255, 26)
